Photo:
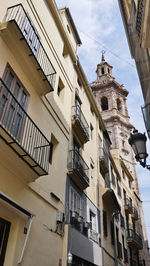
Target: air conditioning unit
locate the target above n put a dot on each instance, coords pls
(73, 215)
(79, 219)
(60, 217)
(86, 225)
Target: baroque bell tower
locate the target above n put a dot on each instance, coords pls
(111, 100)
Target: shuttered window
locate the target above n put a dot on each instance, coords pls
(105, 223)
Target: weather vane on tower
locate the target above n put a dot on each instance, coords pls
(103, 52)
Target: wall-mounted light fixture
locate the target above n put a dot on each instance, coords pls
(69, 258)
(138, 143)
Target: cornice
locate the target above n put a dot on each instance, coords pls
(98, 86)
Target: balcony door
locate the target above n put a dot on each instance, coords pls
(13, 103)
(76, 156)
(4, 233)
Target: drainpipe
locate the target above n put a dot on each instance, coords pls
(26, 239)
(115, 248)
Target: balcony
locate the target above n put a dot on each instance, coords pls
(93, 235)
(119, 248)
(134, 240)
(80, 125)
(127, 205)
(104, 159)
(108, 196)
(122, 221)
(18, 32)
(134, 213)
(142, 23)
(113, 179)
(146, 116)
(118, 190)
(78, 169)
(125, 255)
(139, 17)
(107, 180)
(22, 145)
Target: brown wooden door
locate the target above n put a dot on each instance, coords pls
(4, 233)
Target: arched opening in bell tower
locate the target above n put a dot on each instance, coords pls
(119, 105)
(104, 103)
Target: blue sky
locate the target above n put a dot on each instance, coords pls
(100, 27)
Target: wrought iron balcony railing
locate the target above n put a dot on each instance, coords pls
(119, 190)
(122, 221)
(113, 178)
(146, 116)
(104, 157)
(119, 247)
(78, 169)
(26, 138)
(18, 14)
(134, 239)
(94, 236)
(139, 17)
(133, 263)
(134, 213)
(127, 205)
(107, 180)
(125, 255)
(80, 121)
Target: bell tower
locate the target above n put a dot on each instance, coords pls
(111, 99)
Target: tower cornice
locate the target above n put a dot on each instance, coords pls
(97, 85)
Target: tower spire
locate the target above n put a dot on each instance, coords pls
(103, 52)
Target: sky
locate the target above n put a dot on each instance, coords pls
(100, 27)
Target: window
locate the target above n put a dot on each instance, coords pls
(104, 103)
(105, 223)
(91, 171)
(77, 204)
(54, 151)
(4, 233)
(92, 220)
(79, 82)
(118, 188)
(130, 183)
(92, 111)
(11, 112)
(113, 177)
(123, 174)
(102, 70)
(112, 232)
(119, 105)
(68, 28)
(91, 131)
(60, 89)
(65, 51)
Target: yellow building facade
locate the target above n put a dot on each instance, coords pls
(58, 202)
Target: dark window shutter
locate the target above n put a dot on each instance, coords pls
(105, 223)
(112, 233)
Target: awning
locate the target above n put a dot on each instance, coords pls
(15, 204)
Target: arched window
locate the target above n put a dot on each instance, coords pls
(119, 105)
(104, 103)
(102, 70)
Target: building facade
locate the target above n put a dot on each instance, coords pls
(111, 100)
(58, 174)
(136, 17)
(35, 100)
